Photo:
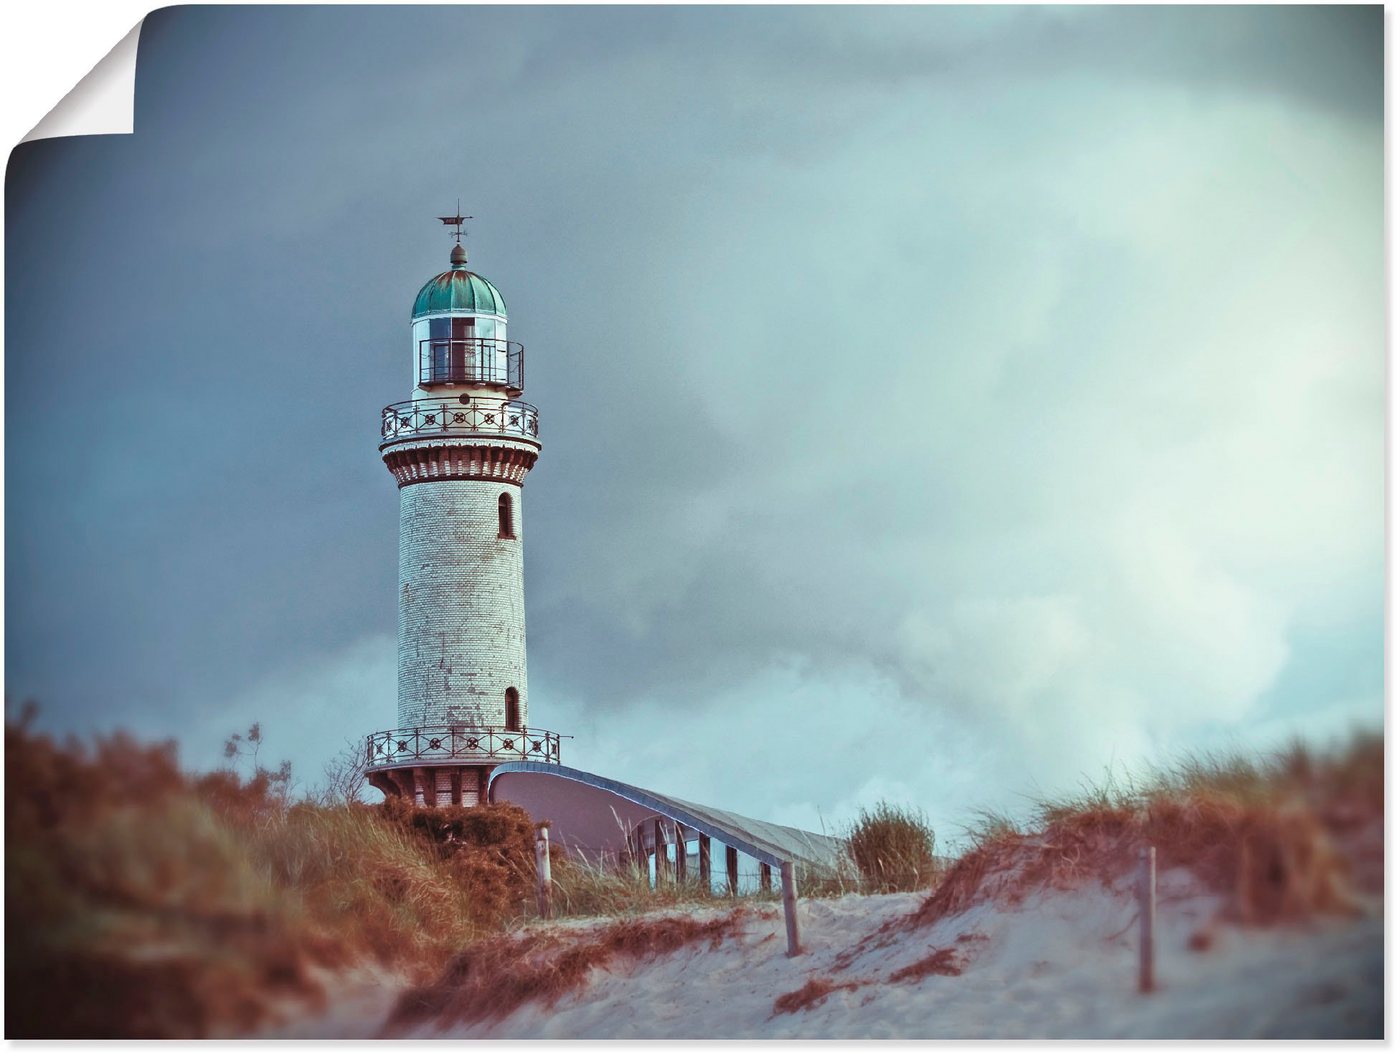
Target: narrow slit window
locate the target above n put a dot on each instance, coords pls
(512, 710)
(505, 517)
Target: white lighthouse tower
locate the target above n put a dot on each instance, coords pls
(460, 449)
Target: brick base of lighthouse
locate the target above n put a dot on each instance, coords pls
(434, 785)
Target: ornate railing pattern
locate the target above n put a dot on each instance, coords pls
(471, 360)
(428, 417)
(462, 743)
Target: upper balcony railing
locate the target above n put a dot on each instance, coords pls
(471, 360)
(459, 743)
(420, 418)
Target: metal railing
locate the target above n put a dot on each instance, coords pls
(463, 743)
(471, 360)
(424, 417)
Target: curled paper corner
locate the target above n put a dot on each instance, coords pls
(103, 102)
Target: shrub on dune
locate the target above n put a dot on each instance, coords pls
(892, 847)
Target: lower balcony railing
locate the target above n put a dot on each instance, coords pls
(466, 744)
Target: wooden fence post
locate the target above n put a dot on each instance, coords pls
(705, 864)
(544, 893)
(731, 869)
(790, 908)
(659, 844)
(1147, 915)
(680, 854)
(765, 878)
(639, 855)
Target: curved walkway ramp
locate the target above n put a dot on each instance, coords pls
(603, 819)
(595, 816)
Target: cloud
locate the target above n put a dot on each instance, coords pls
(309, 713)
(1067, 446)
(951, 400)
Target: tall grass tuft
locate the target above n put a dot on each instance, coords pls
(892, 846)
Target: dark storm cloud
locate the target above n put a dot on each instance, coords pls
(938, 353)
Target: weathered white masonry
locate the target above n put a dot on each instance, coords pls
(460, 449)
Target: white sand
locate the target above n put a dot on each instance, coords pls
(1060, 965)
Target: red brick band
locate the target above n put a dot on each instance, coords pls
(426, 464)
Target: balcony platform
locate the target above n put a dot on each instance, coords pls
(458, 745)
(463, 416)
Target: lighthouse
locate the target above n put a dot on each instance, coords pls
(459, 449)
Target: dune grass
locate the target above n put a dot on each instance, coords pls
(813, 993)
(493, 977)
(585, 889)
(1266, 833)
(1352, 775)
(141, 901)
(892, 847)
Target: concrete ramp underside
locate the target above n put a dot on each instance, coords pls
(595, 816)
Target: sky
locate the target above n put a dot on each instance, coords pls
(944, 405)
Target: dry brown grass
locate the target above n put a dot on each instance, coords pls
(892, 847)
(584, 889)
(494, 977)
(944, 962)
(1265, 835)
(812, 994)
(1280, 839)
(142, 902)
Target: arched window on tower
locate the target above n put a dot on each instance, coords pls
(512, 710)
(505, 517)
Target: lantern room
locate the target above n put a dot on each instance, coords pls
(459, 335)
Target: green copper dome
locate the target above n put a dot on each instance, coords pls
(459, 290)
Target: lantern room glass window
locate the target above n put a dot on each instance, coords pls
(466, 350)
(450, 351)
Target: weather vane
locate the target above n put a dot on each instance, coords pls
(456, 221)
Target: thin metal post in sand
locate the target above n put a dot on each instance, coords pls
(1147, 917)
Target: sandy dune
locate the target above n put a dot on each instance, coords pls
(1058, 965)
